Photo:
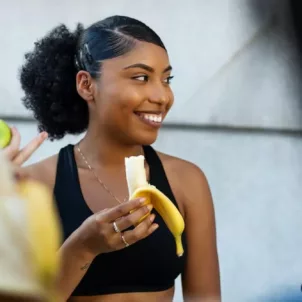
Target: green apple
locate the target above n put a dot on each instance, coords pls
(5, 134)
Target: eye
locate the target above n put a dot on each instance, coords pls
(142, 78)
(168, 80)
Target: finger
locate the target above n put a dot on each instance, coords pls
(30, 148)
(13, 148)
(144, 229)
(122, 209)
(127, 221)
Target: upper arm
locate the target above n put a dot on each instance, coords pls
(201, 277)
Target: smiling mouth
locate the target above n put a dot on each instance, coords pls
(152, 119)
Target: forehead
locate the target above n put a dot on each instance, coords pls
(145, 53)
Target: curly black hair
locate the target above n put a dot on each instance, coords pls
(48, 74)
(48, 80)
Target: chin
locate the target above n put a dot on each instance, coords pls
(145, 138)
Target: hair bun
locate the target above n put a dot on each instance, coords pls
(48, 80)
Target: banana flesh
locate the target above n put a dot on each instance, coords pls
(30, 237)
(139, 187)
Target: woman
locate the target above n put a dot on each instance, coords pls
(113, 80)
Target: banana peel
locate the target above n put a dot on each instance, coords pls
(139, 187)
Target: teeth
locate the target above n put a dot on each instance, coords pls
(153, 117)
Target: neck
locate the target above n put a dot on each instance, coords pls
(101, 150)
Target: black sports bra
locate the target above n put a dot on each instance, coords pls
(148, 265)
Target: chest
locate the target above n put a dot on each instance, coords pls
(150, 264)
(104, 190)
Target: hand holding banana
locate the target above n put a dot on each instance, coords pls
(138, 187)
(106, 231)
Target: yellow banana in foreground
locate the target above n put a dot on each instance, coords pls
(139, 187)
(30, 238)
(44, 230)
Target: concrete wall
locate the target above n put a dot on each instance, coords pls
(238, 84)
(234, 61)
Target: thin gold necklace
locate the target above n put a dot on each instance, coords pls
(97, 177)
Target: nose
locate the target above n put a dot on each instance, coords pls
(158, 95)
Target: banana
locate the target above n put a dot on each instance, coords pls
(139, 187)
(44, 230)
(31, 237)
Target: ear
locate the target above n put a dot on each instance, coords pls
(85, 85)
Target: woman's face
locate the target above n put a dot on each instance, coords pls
(133, 94)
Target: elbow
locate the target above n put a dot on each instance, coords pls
(198, 294)
(202, 298)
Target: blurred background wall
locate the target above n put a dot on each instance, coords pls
(237, 114)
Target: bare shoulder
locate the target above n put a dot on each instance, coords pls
(187, 180)
(44, 170)
(180, 165)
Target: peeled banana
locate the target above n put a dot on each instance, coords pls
(30, 237)
(139, 187)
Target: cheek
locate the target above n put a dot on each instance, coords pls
(171, 100)
(119, 102)
(126, 98)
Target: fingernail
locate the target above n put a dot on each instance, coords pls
(149, 206)
(142, 199)
(155, 227)
(44, 134)
(152, 217)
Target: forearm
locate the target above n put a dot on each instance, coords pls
(74, 265)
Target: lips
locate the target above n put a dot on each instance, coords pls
(154, 119)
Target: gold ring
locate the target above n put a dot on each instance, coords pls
(115, 227)
(124, 240)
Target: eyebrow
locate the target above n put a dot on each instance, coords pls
(146, 67)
